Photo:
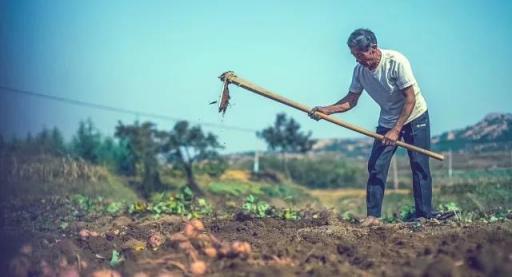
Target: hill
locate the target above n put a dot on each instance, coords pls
(492, 133)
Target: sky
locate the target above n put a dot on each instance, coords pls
(164, 57)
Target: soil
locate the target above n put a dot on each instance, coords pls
(319, 244)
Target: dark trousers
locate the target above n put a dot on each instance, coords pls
(416, 132)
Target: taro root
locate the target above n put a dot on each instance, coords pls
(179, 237)
(155, 240)
(190, 231)
(240, 248)
(105, 273)
(203, 237)
(198, 268)
(197, 224)
(210, 252)
(225, 250)
(84, 234)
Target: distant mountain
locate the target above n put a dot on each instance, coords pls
(492, 133)
(355, 148)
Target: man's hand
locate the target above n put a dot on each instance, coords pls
(315, 116)
(391, 137)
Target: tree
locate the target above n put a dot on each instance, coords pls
(45, 142)
(285, 137)
(87, 141)
(144, 145)
(185, 145)
(57, 141)
(115, 155)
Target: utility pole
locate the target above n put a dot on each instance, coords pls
(256, 164)
(395, 172)
(450, 166)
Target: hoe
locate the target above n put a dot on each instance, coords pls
(230, 78)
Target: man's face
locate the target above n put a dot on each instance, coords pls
(365, 58)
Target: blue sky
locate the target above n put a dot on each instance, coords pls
(164, 57)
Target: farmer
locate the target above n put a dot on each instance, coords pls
(387, 77)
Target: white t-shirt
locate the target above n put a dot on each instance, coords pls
(385, 85)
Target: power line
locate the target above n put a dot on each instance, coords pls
(119, 110)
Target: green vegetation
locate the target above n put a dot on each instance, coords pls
(233, 188)
(186, 145)
(259, 208)
(285, 137)
(320, 171)
(144, 171)
(182, 203)
(116, 259)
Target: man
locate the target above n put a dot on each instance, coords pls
(387, 77)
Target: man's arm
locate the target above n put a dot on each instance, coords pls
(346, 103)
(410, 100)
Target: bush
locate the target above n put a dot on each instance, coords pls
(324, 173)
(212, 167)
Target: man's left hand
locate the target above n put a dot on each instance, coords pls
(391, 137)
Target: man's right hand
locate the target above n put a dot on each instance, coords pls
(321, 109)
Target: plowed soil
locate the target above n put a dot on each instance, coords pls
(319, 244)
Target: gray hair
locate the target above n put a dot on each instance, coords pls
(362, 39)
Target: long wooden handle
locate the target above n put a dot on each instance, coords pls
(232, 78)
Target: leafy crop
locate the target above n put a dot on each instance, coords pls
(98, 205)
(261, 209)
(348, 216)
(116, 259)
(182, 203)
(289, 214)
(407, 212)
(258, 208)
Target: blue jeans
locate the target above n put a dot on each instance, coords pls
(416, 132)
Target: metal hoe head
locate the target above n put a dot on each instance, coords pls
(224, 97)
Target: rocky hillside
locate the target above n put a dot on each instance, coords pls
(492, 133)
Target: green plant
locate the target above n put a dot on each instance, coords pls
(407, 212)
(114, 208)
(258, 208)
(289, 214)
(389, 219)
(181, 203)
(116, 258)
(348, 216)
(451, 207)
(137, 207)
(83, 202)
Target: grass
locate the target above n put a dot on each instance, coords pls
(477, 199)
(44, 175)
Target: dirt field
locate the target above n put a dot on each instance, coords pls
(33, 244)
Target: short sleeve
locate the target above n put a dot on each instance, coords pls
(355, 86)
(404, 76)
